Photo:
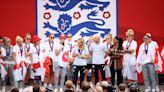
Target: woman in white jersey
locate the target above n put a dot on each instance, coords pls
(62, 54)
(2, 67)
(49, 48)
(20, 69)
(146, 58)
(27, 46)
(81, 55)
(38, 70)
(129, 58)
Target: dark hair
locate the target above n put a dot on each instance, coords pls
(30, 82)
(68, 91)
(15, 90)
(120, 42)
(36, 88)
(0, 37)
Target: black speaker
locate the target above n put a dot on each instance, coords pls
(161, 78)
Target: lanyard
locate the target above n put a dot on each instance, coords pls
(8, 51)
(70, 47)
(107, 46)
(146, 48)
(0, 50)
(80, 51)
(21, 51)
(27, 47)
(128, 45)
(38, 50)
(51, 46)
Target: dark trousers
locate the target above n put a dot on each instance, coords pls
(119, 75)
(102, 71)
(78, 69)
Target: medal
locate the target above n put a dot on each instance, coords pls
(51, 46)
(21, 51)
(38, 50)
(128, 45)
(146, 48)
(27, 47)
(8, 51)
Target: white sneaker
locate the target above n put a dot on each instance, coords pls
(56, 90)
(20, 90)
(50, 88)
(157, 89)
(147, 90)
(153, 90)
(60, 90)
(3, 89)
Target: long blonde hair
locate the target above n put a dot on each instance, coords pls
(83, 42)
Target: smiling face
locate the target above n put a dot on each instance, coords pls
(28, 38)
(146, 39)
(114, 41)
(129, 37)
(109, 39)
(8, 42)
(97, 38)
(80, 42)
(130, 34)
(51, 38)
(20, 42)
(69, 37)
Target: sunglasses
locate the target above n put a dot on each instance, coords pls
(52, 37)
(69, 36)
(28, 38)
(8, 41)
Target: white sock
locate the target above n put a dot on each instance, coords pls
(45, 84)
(21, 90)
(3, 89)
(157, 88)
(50, 85)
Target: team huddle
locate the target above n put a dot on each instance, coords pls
(55, 61)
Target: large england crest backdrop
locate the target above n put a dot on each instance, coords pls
(79, 17)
